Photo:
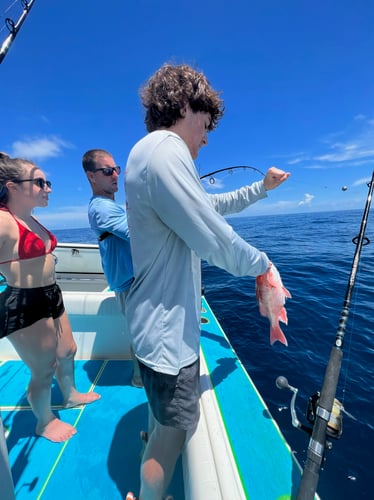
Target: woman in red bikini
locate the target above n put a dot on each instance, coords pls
(32, 313)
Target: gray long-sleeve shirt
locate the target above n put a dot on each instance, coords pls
(174, 223)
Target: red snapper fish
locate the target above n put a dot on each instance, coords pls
(271, 296)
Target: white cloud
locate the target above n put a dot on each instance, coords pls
(360, 182)
(39, 148)
(316, 166)
(350, 146)
(359, 163)
(295, 161)
(357, 143)
(307, 199)
(346, 152)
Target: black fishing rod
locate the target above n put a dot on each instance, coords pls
(229, 169)
(14, 28)
(324, 411)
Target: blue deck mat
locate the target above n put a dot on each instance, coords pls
(102, 460)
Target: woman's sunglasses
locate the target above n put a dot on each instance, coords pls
(108, 171)
(41, 183)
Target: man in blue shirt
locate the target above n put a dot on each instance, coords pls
(109, 222)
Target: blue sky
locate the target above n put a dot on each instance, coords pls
(296, 77)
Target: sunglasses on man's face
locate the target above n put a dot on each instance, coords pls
(108, 171)
(41, 183)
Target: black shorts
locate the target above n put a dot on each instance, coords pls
(174, 399)
(22, 307)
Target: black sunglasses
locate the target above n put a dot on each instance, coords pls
(41, 183)
(108, 171)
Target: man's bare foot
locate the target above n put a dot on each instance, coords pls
(137, 381)
(81, 398)
(56, 431)
(130, 496)
(144, 438)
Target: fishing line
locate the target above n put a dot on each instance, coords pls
(325, 404)
(14, 27)
(309, 193)
(348, 344)
(356, 303)
(211, 180)
(7, 9)
(348, 338)
(2, 15)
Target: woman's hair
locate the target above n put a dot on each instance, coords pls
(170, 89)
(11, 169)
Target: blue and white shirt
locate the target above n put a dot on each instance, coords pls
(105, 214)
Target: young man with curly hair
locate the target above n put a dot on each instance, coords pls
(174, 224)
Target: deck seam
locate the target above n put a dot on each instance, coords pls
(75, 424)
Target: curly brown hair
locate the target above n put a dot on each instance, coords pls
(173, 87)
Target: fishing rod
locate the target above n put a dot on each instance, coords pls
(229, 169)
(14, 28)
(324, 411)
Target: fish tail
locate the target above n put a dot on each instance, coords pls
(283, 316)
(277, 334)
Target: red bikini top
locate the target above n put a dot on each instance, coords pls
(30, 245)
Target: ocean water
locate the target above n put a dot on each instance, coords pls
(314, 254)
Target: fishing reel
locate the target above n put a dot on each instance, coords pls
(335, 424)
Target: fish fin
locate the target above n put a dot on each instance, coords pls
(286, 292)
(277, 334)
(283, 316)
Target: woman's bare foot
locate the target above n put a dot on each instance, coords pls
(81, 398)
(56, 431)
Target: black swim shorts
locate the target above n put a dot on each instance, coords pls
(174, 399)
(21, 307)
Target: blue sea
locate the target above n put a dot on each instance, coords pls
(314, 254)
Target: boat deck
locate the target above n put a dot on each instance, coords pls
(102, 460)
(237, 452)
